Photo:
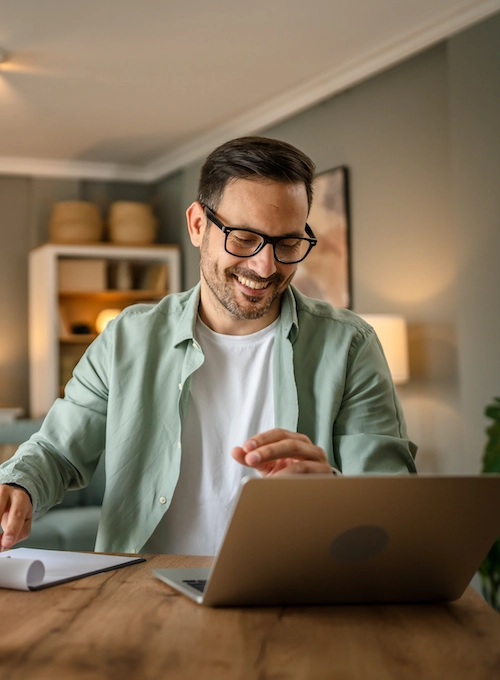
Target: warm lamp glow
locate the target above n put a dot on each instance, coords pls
(393, 335)
(104, 317)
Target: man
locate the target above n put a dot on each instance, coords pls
(243, 363)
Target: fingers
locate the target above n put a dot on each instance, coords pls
(239, 455)
(274, 435)
(280, 451)
(304, 467)
(16, 514)
(275, 444)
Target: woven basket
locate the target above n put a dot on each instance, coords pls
(75, 222)
(132, 223)
(130, 211)
(132, 233)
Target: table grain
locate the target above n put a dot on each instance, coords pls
(126, 623)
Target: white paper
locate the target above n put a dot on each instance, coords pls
(28, 568)
(20, 574)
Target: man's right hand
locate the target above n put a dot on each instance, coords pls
(16, 512)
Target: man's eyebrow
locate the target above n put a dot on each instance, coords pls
(294, 235)
(261, 233)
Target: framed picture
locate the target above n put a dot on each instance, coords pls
(325, 273)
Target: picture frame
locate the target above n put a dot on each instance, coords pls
(325, 274)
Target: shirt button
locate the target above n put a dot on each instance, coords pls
(196, 345)
(180, 386)
(133, 551)
(178, 445)
(163, 500)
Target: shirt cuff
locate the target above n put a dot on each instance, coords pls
(18, 486)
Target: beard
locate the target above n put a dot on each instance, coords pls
(222, 286)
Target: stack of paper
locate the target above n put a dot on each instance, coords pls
(30, 569)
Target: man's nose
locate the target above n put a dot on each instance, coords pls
(263, 263)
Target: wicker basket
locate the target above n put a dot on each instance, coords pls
(75, 222)
(132, 223)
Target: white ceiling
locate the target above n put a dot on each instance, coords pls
(134, 90)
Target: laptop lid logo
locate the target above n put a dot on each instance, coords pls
(359, 544)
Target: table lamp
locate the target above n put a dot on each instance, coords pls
(392, 332)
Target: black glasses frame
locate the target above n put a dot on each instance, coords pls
(273, 240)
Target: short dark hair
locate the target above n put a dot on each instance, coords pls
(255, 158)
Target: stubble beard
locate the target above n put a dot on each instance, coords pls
(222, 287)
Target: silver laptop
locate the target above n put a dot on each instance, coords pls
(371, 539)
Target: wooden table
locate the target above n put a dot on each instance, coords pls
(126, 623)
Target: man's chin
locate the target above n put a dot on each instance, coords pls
(250, 311)
(253, 307)
(256, 299)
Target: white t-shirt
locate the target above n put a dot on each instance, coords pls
(231, 399)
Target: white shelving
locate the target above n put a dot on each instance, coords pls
(53, 347)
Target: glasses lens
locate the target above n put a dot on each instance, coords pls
(243, 243)
(291, 249)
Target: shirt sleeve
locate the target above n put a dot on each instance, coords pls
(64, 453)
(370, 431)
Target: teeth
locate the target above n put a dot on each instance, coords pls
(252, 284)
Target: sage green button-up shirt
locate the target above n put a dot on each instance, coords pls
(129, 394)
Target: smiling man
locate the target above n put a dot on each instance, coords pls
(241, 375)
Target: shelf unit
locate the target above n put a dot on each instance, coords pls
(54, 348)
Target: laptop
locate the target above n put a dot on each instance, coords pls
(313, 539)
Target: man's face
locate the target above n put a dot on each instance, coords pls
(242, 295)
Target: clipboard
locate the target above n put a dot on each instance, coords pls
(32, 569)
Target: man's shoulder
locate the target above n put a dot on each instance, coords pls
(318, 311)
(174, 304)
(170, 320)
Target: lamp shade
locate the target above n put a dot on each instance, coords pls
(392, 332)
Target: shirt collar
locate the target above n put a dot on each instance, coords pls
(288, 318)
(187, 324)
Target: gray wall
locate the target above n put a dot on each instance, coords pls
(421, 142)
(475, 135)
(172, 196)
(13, 291)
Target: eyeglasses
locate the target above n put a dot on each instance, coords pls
(246, 243)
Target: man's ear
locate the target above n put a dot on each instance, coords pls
(196, 222)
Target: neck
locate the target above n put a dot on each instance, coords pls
(219, 319)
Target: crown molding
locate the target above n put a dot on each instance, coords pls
(41, 167)
(279, 108)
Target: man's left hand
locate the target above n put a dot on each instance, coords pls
(282, 452)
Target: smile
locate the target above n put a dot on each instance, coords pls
(255, 285)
